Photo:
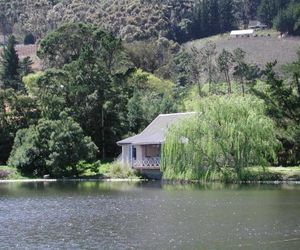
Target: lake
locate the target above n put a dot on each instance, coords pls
(98, 215)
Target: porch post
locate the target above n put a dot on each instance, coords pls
(131, 155)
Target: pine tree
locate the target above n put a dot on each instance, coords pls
(10, 65)
(25, 66)
(197, 19)
(204, 19)
(282, 101)
(227, 19)
(267, 11)
(214, 17)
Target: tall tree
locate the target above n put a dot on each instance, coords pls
(7, 16)
(10, 65)
(17, 111)
(227, 18)
(282, 99)
(225, 61)
(90, 86)
(196, 28)
(241, 67)
(214, 17)
(244, 73)
(205, 18)
(267, 11)
(288, 20)
(208, 60)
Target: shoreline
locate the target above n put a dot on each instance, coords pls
(72, 180)
(174, 182)
(183, 182)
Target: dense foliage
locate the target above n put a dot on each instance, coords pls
(10, 70)
(88, 84)
(228, 132)
(53, 147)
(93, 82)
(17, 111)
(282, 98)
(151, 97)
(108, 89)
(289, 20)
(134, 20)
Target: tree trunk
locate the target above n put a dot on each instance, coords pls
(199, 89)
(102, 133)
(243, 87)
(228, 83)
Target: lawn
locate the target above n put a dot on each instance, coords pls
(113, 170)
(260, 50)
(271, 174)
(287, 173)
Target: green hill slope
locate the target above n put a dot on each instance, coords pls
(259, 50)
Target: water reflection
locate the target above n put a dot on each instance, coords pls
(101, 215)
(81, 188)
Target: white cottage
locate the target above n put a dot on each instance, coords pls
(143, 151)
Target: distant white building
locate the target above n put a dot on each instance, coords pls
(254, 24)
(237, 33)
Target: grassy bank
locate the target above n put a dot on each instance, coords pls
(258, 174)
(115, 171)
(111, 170)
(272, 174)
(104, 171)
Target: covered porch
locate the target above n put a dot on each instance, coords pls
(142, 156)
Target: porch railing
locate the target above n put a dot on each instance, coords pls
(147, 163)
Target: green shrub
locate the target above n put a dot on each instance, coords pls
(87, 168)
(228, 175)
(52, 147)
(117, 170)
(229, 131)
(104, 169)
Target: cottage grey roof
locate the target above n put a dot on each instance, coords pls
(156, 130)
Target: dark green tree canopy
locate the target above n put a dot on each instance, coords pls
(86, 80)
(282, 98)
(9, 72)
(17, 111)
(52, 147)
(70, 41)
(288, 20)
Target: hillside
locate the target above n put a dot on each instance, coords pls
(259, 50)
(131, 20)
(127, 19)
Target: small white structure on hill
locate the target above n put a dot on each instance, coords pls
(238, 33)
(255, 24)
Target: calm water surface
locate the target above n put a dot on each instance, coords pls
(93, 215)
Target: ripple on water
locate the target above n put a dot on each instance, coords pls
(126, 216)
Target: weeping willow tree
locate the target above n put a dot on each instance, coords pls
(227, 132)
